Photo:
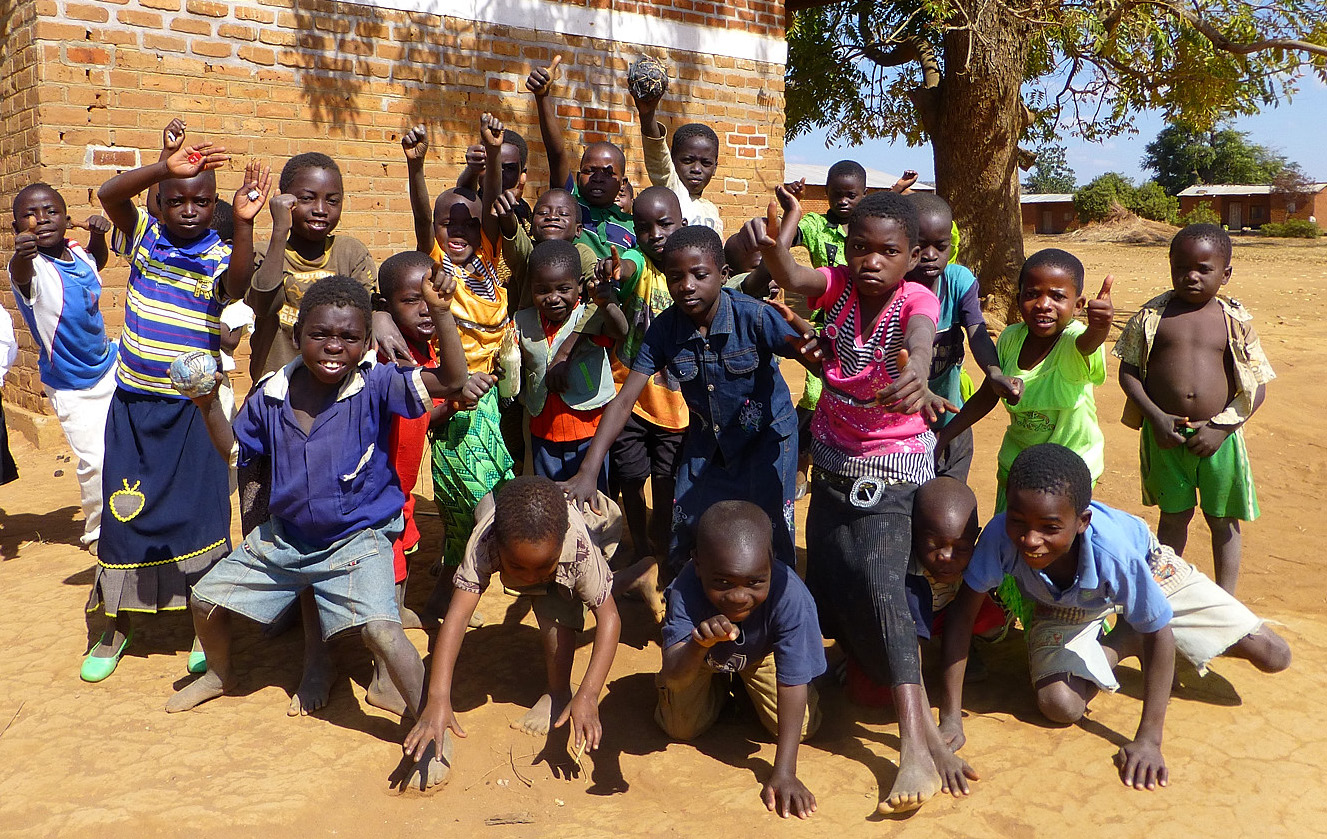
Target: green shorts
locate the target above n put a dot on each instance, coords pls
(1175, 479)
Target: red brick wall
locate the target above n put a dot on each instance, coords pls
(272, 78)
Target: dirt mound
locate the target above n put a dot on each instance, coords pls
(1124, 227)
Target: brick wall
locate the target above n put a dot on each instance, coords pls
(272, 78)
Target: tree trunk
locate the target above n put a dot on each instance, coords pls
(975, 118)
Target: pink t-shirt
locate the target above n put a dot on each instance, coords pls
(863, 361)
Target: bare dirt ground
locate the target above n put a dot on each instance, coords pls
(1246, 751)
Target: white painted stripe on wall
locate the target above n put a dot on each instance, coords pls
(625, 27)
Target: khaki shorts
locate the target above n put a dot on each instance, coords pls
(550, 606)
(687, 712)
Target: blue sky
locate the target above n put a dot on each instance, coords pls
(1293, 129)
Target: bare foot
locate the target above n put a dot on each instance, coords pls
(641, 582)
(314, 687)
(538, 721)
(205, 687)
(917, 782)
(428, 774)
(382, 692)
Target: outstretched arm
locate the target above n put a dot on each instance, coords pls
(775, 254)
(117, 194)
(214, 418)
(415, 144)
(583, 710)
(784, 793)
(451, 374)
(437, 715)
(959, 618)
(1139, 761)
(249, 200)
(540, 83)
(973, 410)
(97, 228)
(580, 489)
(491, 133)
(1100, 313)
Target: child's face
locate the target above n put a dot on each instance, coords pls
(1198, 269)
(934, 239)
(734, 577)
(944, 543)
(600, 177)
(843, 192)
(1048, 300)
(331, 341)
(186, 205)
(513, 176)
(694, 282)
(456, 226)
(695, 160)
(318, 197)
(879, 255)
(1043, 527)
(626, 196)
(555, 292)
(408, 308)
(525, 564)
(48, 209)
(556, 216)
(656, 218)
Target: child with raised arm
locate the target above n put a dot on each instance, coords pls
(1192, 365)
(686, 167)
(871, 450)
(543, 547)
(323, 422)
(1057, 358)
(960, 317)
(167, 492)
(735, 611)
(556, 217)
(721, 346)
(1080, 562)
(58, 292)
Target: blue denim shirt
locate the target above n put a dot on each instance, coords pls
(730, 378)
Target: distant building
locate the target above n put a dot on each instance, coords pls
(814, 199)
(1048, 212)
(1253, 205)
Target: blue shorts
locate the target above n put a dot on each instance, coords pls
(352, 580)
(561, 461)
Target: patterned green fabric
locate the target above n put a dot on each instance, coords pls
(470, 460)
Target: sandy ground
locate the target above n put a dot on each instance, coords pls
(1243, 755)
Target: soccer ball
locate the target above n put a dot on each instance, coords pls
(647, 78)
(194, 373)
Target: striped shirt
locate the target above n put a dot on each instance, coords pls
(173, 306)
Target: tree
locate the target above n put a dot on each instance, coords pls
(1050, 172)
(1097, 200)
(1183, 156)
(977, 77)
(1151, 201)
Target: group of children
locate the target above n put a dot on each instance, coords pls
(602, 339)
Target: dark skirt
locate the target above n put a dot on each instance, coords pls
(167, 502)
(858, 543)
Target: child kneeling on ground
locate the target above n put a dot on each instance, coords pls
(324, 422)
(733, 610)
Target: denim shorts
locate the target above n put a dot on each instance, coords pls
(352, 579)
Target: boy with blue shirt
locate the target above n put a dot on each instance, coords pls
(1081, 562)
(58, 292)
(324, 422)
(733, 610)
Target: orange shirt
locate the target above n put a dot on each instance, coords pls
(558, 423)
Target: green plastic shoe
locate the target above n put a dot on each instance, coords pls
(96, 669)
(197, 662)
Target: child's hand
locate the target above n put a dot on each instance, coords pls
(540, 81)
(586, 730)
(809, 345)
(933, 405)
(506, 203)
(1100, 312)
(439, 290)
(490, 134)
(433, 724)
(580, 490)
(252, 194)
(186, 163)
(787, 796)
(25, 243)
(415, 143)
(1008, 388)
(608, 271)
(95, 225)
(474, 389)
(1168, 430)
(904, 394)
(172, 136)
(281, 207)
(796, 188)
(204, 400)
(1141, 765)
(475, 156)
(905, 183)
(1208, 438)
(713, 631)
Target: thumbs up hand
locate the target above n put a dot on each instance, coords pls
(1100, 311)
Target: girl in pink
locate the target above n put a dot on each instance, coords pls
(871, 449)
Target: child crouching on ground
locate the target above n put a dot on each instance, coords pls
(323, 421)
(1080, 562)
(543, 547)
(733, 610)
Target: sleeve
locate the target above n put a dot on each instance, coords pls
(1072, 364)
(799, 650)
(1258, 364)
(403, 390)
(222, 253)
(1129, 347)
(836, 282)
(126, 246)
(362, 268)
(659, 163)
(594, 583)
(969, 298)
(588, 261)
(635, 257)
(478, 563)
(808, 234)
(1143, 605)
(920, 301)
(516, 250)
(989, 563)
(238, 316)
(250, 428)
(678, 622)
(653, 352)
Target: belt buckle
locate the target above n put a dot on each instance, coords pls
(866, 491)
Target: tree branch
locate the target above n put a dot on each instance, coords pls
(1221, 42)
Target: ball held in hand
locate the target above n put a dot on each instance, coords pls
(647, 78)
(194, 373)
